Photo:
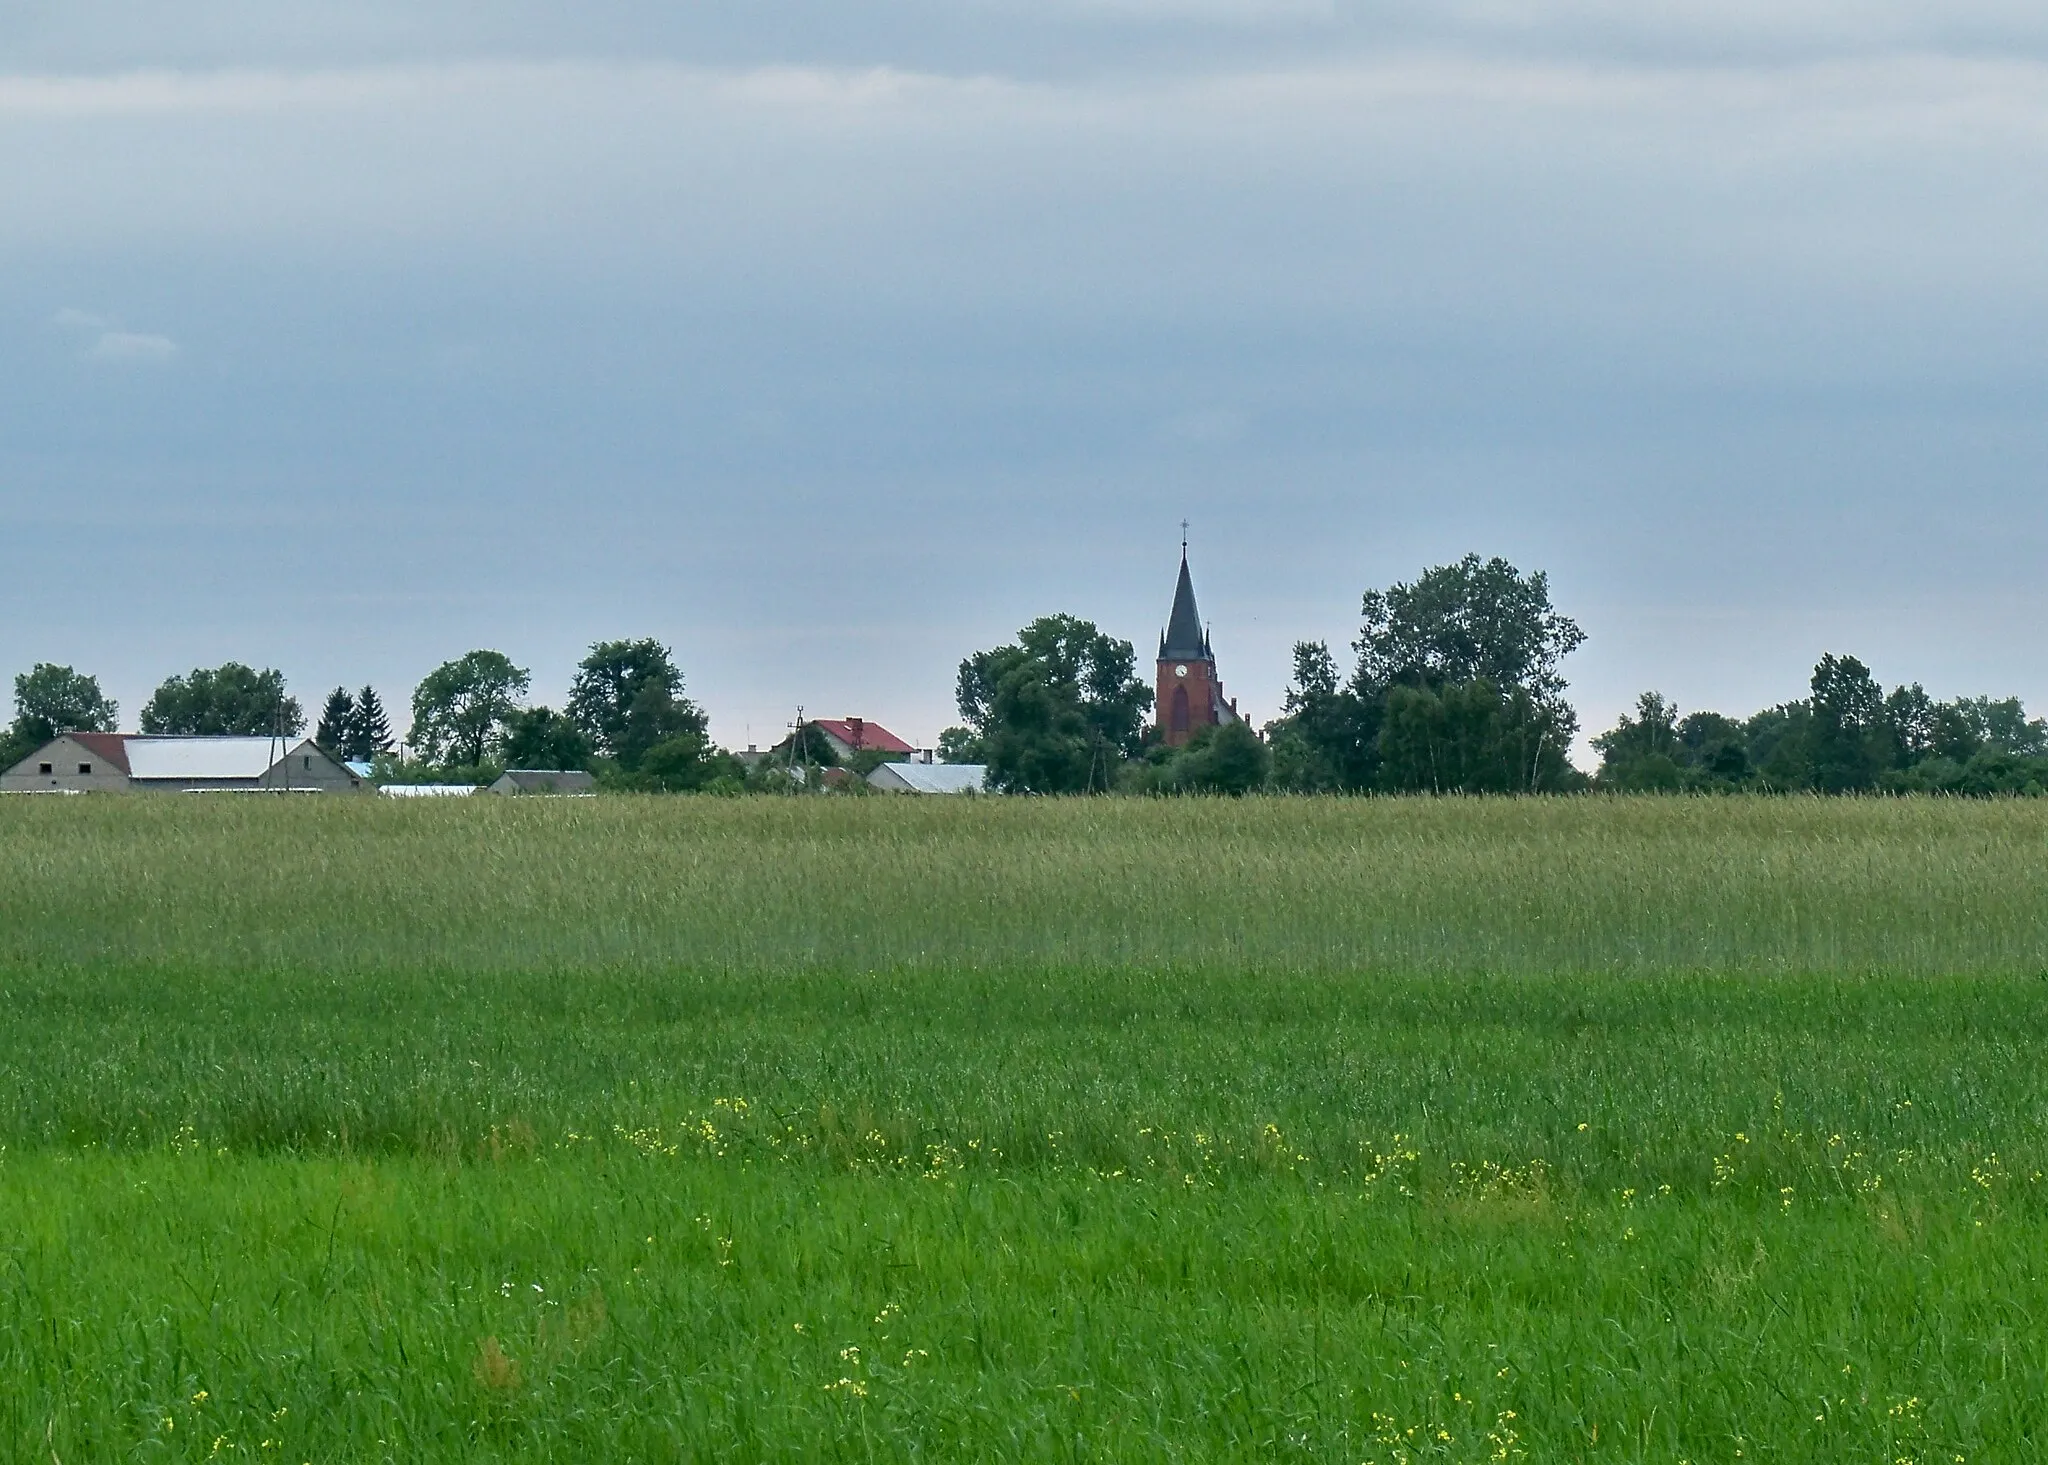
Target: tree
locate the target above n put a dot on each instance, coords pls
(336, 732)
(370, 733)
(960, 745)
(541, 737)
(1228, 759)
(687, 763)
(1777, 742)
(1644, 751)
(55, 699)
(49, 700)
(1058, 711)
(229, 700)
(460, 710)
(1466, 622)
(1913, 724)
(657, 716)
(1457, 687)
(1328, 738)
(610, 681)
(1471, 737)
(1844, 747)
(1716, 752)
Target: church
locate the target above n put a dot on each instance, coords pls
(1190, 693)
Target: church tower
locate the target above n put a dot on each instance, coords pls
(1190, 695)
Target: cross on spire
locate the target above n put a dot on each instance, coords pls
(1183, 539)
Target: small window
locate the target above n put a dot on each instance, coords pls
(85, 768)
(46, 768)
(306, 761)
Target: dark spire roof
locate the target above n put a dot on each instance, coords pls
(1184, 640)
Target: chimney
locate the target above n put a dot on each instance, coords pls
(857, 728)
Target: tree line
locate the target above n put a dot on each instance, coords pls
(626, 718)
(1455, 686)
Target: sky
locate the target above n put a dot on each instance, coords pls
(829, 343)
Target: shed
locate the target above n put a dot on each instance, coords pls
(571, 781)
(930, 778)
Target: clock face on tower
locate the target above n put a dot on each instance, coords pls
(1181, 670)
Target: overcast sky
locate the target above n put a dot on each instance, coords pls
(830, 342)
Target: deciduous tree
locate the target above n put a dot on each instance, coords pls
(1057, 711)
(540, 737)
(460, 710)
(610, 682)
(227, 700)
(51, 699)
(1471, 621)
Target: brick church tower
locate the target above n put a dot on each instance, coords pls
(1190, 693)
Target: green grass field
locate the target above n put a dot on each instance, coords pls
(649, 1130)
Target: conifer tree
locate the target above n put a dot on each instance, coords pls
(336, 732)
(369, 730)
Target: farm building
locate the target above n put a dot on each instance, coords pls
(83, 762)
(929, 778)
(847, 736)
(545, 781)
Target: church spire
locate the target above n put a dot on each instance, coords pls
(1184, 639)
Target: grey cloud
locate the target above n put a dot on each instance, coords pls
(1729, 316)
(1026, 38)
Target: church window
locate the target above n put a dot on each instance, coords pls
(1180, 709)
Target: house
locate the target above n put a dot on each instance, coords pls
(848, 736)
(929, 778)
(84, 762)
(572, 781)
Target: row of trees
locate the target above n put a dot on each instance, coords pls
(626, 717)
(1848, 735)
(1456, 685)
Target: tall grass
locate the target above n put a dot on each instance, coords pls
(686, 1129)
(1284, 885)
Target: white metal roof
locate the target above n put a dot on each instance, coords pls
(936, 778)
(201, 757)
(427, 790)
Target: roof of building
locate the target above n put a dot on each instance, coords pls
(207, 758)
(857, 732)
(111, 747)
(933, 778)
(428, 790)
(544, 781)
(1184, 640)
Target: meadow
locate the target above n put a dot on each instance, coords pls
(641, 1129)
